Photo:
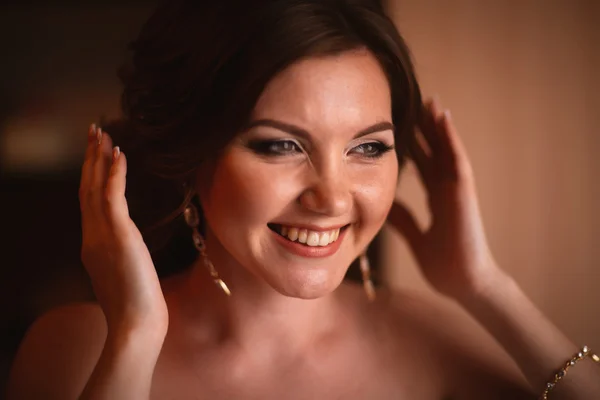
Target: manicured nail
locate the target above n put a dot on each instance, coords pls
(116, 153)
(92, 132)
(99, 135)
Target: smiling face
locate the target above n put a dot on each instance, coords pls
(316, 165)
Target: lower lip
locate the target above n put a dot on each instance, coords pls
(302, 250)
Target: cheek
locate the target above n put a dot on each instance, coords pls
(247, 193)
(376, 195)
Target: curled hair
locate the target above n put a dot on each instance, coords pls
(199, 67)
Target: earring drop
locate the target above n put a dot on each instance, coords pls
(192, 219)
(365, 269)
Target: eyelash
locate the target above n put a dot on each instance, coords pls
(268, 148)
(379, 149)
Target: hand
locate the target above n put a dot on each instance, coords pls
(113, 251)
(453, 252)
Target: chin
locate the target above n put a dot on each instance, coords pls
(307, 285)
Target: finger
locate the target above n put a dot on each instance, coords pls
(87, 170)
(115, 202)
(428, 125)
(404, 221)
(448, 136)
(419, 155)
(448, 149)
(101, 167)
(440, 130)
(88, 159)
(455, 154)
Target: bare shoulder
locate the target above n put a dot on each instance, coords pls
(58, 353)
(474, 365)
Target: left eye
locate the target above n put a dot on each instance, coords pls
(283, 146)
(372, 149)
(275, 148)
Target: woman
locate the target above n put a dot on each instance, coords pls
(286, 121)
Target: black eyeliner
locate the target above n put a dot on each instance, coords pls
(259, 146)
(381, 149)
(265, 147)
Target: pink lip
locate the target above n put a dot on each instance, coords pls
(302, 250)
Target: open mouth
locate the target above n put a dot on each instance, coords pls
(307, 237)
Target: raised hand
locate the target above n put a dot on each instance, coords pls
(113, 250)
(452, 252)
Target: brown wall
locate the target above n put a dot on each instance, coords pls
(519, 77)
(522, 81)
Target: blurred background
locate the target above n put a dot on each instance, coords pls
(520, 77)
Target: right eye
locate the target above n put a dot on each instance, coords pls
(275, 147)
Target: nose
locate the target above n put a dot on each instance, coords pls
(329, 195)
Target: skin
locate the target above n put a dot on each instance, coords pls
(291, 329)
(325, 179)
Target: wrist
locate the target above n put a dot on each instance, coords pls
(131, 336)
(138, 324)
(490, 281)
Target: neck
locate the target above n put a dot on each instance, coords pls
(255, 315)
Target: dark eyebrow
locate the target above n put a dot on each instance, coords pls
(297, 131)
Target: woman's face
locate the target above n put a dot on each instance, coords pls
(301, 193)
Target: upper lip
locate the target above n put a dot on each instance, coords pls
(311, 227)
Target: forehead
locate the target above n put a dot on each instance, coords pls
(345, 91)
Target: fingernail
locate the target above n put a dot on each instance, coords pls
(92, 131)
(447, 115)
(116, 153)
(99, 135)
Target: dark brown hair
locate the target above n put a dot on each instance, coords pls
(199, 67)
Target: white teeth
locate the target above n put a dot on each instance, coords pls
(292, 234)
(324, 239)
(310, 238)
(333, 235)
(302, 235)
(313, 239)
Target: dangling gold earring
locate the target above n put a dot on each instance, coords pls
(193, 220)
(365, 269)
